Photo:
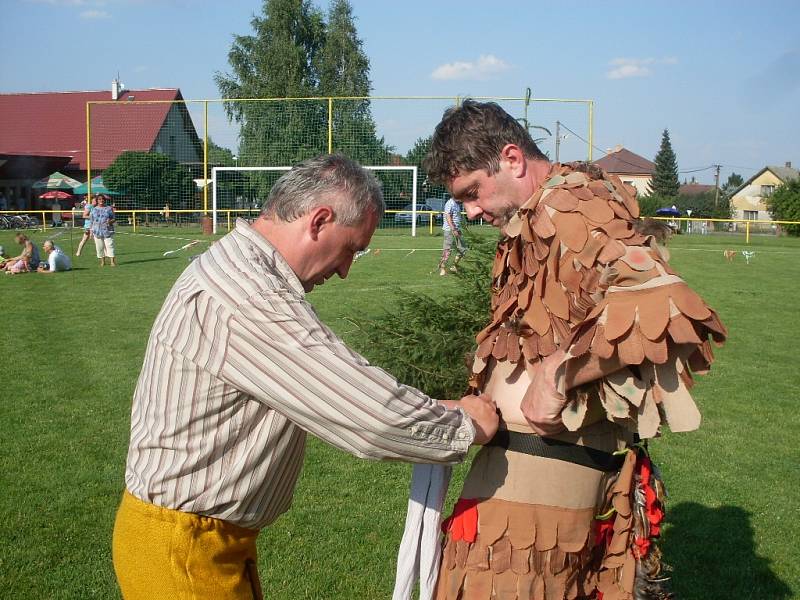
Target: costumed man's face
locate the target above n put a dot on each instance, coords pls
(490, 197)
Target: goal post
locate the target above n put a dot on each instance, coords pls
(239, 191)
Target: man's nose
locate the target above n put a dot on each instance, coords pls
(473, 210)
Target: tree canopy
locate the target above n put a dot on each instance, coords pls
(294, 52)
(151, 180)
(414, 157)
(784, 205)
(665, 177)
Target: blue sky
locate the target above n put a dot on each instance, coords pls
(723, 77)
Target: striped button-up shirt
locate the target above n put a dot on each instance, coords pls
(238, 368)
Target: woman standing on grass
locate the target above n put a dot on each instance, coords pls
(88, 206)
(103, 231)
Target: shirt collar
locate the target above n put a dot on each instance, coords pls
(261, 245)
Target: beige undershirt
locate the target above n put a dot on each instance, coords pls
(518, 477)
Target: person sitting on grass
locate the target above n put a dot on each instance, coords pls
(56, 259)
(28, 260)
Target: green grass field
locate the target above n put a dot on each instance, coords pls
(72, 346)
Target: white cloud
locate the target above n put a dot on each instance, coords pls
(140, 69)
(487, 66)
(95, 14)
(625, 68)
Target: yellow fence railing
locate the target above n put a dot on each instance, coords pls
(273, 132)
(431, 220)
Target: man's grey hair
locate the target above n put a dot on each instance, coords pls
(48, 243)
(350, 189)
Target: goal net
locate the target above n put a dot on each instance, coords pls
(241, 191)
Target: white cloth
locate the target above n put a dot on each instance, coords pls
(58, 261)
(104, 247)
(420, 549)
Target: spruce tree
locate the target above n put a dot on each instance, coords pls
(343, 69)
(665, 177)
(278, 60)
(427, 341)
(292, 53)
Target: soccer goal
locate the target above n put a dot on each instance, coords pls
(243, 190)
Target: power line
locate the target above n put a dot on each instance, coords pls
(622, 160)
(698, 169)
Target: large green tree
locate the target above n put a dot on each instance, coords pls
(279, 60)
(343, 69)
(293, 52)
(784, 205)
(665, 177)
(150, 180)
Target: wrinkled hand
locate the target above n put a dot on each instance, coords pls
(542, 403)
(483, 412)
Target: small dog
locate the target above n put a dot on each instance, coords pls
(729, 255)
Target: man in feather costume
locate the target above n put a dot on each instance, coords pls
(589, 351)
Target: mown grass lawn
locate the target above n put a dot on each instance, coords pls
(72, 345)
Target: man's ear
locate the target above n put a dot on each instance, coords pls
(515, 157)
(319, 218)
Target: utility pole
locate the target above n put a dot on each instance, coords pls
(716, 190)
(558, 138)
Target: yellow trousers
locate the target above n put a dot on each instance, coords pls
(166, 554)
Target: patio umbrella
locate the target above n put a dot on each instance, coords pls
(56, 181)
(55, 195)
(668, 211)
(98, 187)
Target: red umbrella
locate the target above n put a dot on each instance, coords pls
(55, 195)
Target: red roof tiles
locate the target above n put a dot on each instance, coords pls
(625, 162)
(54, 124)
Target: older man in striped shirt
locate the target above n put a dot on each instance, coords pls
(238, 369)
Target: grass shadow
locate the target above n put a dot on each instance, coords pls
(147, 260)
(713, 554)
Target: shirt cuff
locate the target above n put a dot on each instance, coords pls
(465, 434)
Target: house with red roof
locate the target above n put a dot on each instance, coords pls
(46, 131)
(692, 188)
(631, 168)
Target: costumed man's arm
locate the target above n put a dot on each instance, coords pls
(660, 367)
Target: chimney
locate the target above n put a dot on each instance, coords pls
(788, 164)
(117, 87)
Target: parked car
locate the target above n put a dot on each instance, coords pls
(435, 205)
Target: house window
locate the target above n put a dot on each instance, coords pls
(766, 190)
(751, 215)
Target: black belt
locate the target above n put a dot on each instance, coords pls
(536, 445)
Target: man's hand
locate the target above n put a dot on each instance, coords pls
(483, 412)
(542, 403)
